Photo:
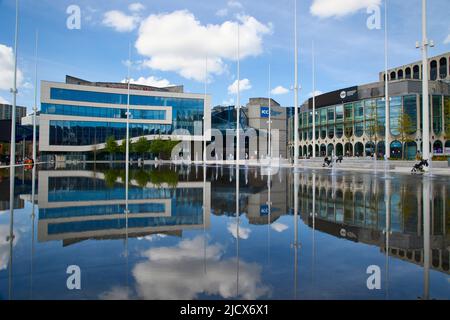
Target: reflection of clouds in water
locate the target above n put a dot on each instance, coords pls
(278, 227)
(4, 245)
(244, 233)
(178, 273)
(152, 237)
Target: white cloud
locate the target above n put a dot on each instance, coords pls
(279, 90)
(228, 102)
(447, 40)
(222, 12)
(7, 68)
(4, 245)
(178, 273)
(136, 7)
(178, 42)
(120, 21)
(339, 8)
(244, 85)
(235, 4)
(317, 93)
(244, 233)
(151, 81)
(278, 227)
(3, 101)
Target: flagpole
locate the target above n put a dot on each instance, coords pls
(295, 89)
(387, 147)
(314, 101)
(35, 97)
(238, 101)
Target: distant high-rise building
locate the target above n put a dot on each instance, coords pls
(6, 110)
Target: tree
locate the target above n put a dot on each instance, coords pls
(142, 146)
(111, 146)
(405, 128)
(163, 148)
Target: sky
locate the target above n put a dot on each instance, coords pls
(193, 42)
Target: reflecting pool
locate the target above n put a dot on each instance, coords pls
(189, 232)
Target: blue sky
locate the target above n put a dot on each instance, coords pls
(171, 38)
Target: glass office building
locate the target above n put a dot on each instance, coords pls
(78, 117)
(351, 121)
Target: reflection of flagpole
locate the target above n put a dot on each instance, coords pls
(426, 238)
(237, 229)
(204, 217)
(269, 208)
(12, 157)
(33, 195)
(387, 200)
(295, 245)
(314, 226)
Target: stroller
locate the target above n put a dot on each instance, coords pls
(419, 166)
(327, 162)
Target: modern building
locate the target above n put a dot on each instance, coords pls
(78, 116)
(351, 121)
(254, 125)
(6, 112)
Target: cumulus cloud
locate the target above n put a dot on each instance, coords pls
(178, 42)
(178, 273)
(7, 68)
(447, 40)
(120, 21)
(3, 101)
(278, 227)
(244, 233)
(317, 93)
(279, 90)
(228, 102)
(151, 81)
(339, 8)
(4, 245)
(244, 85)
(136, 7)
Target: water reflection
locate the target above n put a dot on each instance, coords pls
(179, 232)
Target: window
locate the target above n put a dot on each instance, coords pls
(74, 133)
(433, 70)
(437, 114)
(339, 113)
(348, 111)
(416, 72)
(359, 110)
(381, 117)
(395, 107)
(410, 108)
(330, 115)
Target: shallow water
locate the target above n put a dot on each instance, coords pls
(182, 238)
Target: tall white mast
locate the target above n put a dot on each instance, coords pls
(204, 115)
(270, 117)
(387, 148)
(35, 98)
(295, 89)
(313, 102)
(425, 98)
(238, 101)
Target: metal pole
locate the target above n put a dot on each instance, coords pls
(35, 99)
(387, 147)
(270, 117)
(13, 156)
(204, 122)
(314, 101)
(295, 89)
(425, 103)
(238, 102)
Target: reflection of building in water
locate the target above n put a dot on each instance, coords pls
(353, 207)
(253, 195)
(80, 205)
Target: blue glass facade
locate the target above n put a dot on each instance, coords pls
(186, 113)
(83, 111)
(82, 133)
